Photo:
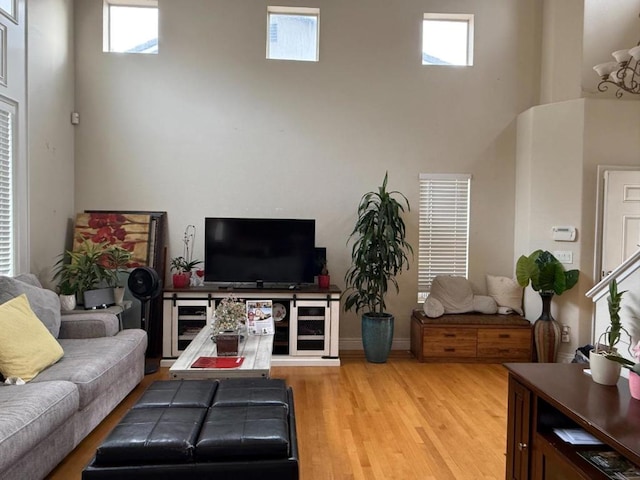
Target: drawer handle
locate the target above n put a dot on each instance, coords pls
(449, 349)
(504, 335)
(449, 335)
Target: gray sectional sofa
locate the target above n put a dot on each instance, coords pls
(46, 418)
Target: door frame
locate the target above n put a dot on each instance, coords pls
(600, 197)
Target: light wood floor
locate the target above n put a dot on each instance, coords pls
(401, 420)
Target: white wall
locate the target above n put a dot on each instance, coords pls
(210, 128)
(50, 133)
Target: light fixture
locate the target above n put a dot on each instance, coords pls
(624, 73)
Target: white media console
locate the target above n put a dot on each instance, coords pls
(306, 326)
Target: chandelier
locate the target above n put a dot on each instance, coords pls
(624, 73)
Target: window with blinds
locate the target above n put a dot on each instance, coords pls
(443, 228)
(6, 191)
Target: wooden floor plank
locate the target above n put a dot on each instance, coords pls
(401, 420)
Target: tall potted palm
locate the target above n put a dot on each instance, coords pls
(378, 254)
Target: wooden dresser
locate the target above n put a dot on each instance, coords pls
(471, 337)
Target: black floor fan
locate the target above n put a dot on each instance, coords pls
(145, 285)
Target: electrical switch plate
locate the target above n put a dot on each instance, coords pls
(565, 330)
(564, 256)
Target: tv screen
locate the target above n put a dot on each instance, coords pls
(250, 250)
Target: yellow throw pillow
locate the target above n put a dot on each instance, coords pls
(26, 346)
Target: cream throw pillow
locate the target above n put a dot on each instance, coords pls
(507, 293)
(26, 346)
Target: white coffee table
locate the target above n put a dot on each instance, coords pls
(256, 350)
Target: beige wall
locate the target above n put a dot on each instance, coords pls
(210, 128)
(50, 133)
(559, 148)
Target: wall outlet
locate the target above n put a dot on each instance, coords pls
(564, 256)
(565, 331)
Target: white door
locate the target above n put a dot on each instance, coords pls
(621, 217)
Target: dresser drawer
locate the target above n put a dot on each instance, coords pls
(449, 342)
(505, 343)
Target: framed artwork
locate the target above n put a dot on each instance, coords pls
(129, 231)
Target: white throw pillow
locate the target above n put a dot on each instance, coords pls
(507, 293)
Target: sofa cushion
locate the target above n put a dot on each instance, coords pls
(95, 364)
(178, 393)
(454, 293)
(44, 303)
(26, 346)
(29, 413)
(251, 391)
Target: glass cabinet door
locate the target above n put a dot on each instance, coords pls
(310, 328)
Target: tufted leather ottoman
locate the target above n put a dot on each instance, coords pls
(197, 429)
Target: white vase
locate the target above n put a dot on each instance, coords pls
(67, 302)
(603, 370)
(118, 295)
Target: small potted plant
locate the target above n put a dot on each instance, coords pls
(229, 316)
(633, 367)
(184, 264)
(83, 270)
(117, 260)
(603, 369)
(324, 280)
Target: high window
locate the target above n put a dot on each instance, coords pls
(7, 190)
(293, 33)
(447, 39)
(130, 26)
(443, 247)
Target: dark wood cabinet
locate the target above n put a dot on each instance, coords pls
(544, 397)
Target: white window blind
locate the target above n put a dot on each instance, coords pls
(6, 191)
(443, 228)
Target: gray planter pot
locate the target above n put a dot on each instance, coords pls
(377, 336)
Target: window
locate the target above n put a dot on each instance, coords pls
(447, 39)
(7, 193)
(443, 246)
(130, 26)
(293, 33)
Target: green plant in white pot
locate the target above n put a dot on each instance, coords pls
(378, 254)
(603, 359)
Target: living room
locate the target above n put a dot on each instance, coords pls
(210, 127)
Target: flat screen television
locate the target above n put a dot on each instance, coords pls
(259, 251)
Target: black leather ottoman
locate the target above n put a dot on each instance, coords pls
(197, 429)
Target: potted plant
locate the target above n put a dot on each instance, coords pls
(324, 280)
(184, 264)
(378, 254)
(229, 316)
(83, 270)
(633, 367)
(547, 277)
(603, 369)
(117, 260)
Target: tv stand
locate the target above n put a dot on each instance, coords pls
(306, 335)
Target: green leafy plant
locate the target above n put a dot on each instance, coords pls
(615, 329)
(545, 272)
(629, 364)
(116, 259)
(185, 263)
(379, 251)
(83, 269)
(181, 265)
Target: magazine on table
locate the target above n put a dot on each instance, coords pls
(612, 464)
(260, 317)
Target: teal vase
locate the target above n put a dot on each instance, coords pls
(377, 335)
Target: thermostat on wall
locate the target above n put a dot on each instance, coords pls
(564, 234)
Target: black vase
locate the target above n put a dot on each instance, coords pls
(546, 332)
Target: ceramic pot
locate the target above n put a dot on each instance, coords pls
(634, 385)
(67, 302)
(118, 295)
(181, 280)
(324, 281)
(546, 332)
(377, 336)
(603, 370)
